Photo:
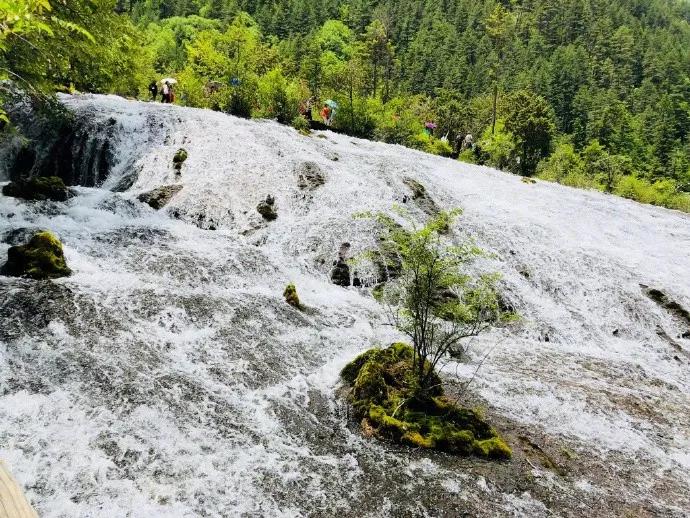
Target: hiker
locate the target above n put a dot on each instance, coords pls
(305, 109)
(171, 94)
(459, 140)
(309, 107)
(153, 88)
(165, 92)
(326, 113)
(468, 143)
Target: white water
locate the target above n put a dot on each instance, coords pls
(167, 377)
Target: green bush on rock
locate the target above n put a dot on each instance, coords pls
(39, 188)
(383, 394)
(41, 258)
(179, 159)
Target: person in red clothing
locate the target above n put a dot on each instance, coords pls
(326, 114)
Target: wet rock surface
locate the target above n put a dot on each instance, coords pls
(160, 197)
(267, 208)
(168, 376)
(309, 176)
(39, 188)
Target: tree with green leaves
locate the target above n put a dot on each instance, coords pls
(435, 302)
(530, 120)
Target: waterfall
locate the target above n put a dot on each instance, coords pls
(167, 376)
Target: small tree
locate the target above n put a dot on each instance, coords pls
(434, 302)
(530, 120)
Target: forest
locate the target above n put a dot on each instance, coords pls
(588, 93)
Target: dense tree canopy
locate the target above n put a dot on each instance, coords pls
(593, 93)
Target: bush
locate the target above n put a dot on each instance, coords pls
(301, 124)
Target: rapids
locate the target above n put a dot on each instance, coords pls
(167, 376)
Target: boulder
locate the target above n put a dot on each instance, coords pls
(421, 197)
(267, 208)
(340, 274)
(309, 176)
(160, 197)
(41, 258)
(39, 188)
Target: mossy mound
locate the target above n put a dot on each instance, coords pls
(179, 158)
(291, 297)
(41, 258)
(382, 393)
(39, 188)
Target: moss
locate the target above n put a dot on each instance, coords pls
(179, 159)
(494, 448)
(39, 188)
(291, 297)
(383, 395)
(41, 258)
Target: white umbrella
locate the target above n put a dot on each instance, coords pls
(169, 80)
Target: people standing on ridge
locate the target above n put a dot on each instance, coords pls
(326, 113)
(165, 93)
(153, 88)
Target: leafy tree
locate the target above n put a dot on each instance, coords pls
(435, 302)
(530, 119)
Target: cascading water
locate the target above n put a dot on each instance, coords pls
(167, 377)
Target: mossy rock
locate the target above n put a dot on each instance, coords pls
(41, 258)
(291, 297)
(39, 188)
(383, 395)
(179, 158)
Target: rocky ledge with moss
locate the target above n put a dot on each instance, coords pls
(38, 189)
(383, 394)
(41, 258)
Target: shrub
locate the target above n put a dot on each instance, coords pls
(301, 124)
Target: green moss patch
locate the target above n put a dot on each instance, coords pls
(39, 188)
(41, 258)
(382, 392)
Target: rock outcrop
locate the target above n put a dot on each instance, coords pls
(160, 197)
(309, 176)
(267, 208)
(41, 258)
(39, 188)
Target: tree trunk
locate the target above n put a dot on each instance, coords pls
(493, 116)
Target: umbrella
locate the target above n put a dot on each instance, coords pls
(332, 104)
(169, 80)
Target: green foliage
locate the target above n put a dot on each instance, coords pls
(41, 258)
(612, 73)
(434, 301)
(530, 120)
(383, 393)
(301, 124)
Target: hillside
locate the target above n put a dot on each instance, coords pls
(167, 376)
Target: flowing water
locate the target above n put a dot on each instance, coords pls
(167, 376)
